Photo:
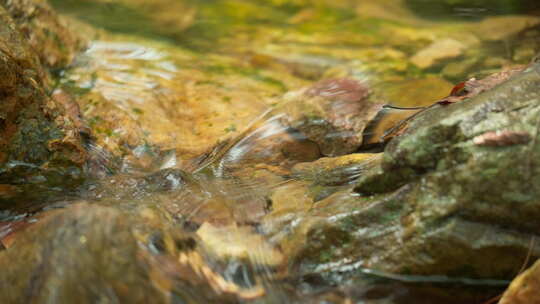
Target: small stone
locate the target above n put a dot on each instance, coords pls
(438, 51)
(230, 242)
(332, 113)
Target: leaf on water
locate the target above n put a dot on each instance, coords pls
(465, 90)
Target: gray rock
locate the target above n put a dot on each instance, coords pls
(456, 195)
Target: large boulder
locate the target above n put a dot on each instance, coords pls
(456, 195)
(87, 253)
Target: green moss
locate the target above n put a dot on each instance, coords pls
(231, 128)
(272, 81)
(325, 256)
(114, 17)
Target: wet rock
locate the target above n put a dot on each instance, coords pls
(405, 93)
(73, 236)
(525, 288)
(127, 257)
(40, 143)
(340, 170)
(439, 203)
(292, 198)
(239, 243)
(137, 94)
(47, 33)
(438, 51)
(269, 142)
(333, 113)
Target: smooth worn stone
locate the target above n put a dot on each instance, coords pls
(438, 51)
(332, 113)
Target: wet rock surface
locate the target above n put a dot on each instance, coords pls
(45, 31)
(441, 202)
(333, 113)
(131, 257)
(226, 138)
(40, 143)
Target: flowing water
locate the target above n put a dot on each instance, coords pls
(188, 104)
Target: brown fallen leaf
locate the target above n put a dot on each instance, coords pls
(461, 91)
(525, 288)
(472, 87)
(502, 138)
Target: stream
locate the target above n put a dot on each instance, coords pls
(226, 141)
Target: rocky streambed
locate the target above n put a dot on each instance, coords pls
(209, 159)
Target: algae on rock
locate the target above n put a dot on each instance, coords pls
(40, 142)
(441, 202)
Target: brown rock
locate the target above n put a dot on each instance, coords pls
(333, 113)
(86, 252)
(437, 51)
(37, 139)
(46, 32)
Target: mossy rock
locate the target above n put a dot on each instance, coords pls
(454, 193)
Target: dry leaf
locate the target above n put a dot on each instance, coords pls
(473, 87)
(525, 288)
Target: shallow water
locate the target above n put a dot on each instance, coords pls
(185, 97)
